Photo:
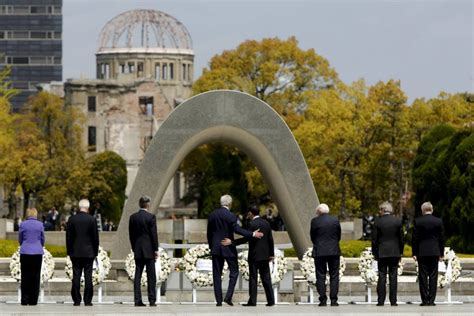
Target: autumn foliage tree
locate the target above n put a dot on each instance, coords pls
(276, 71)
(44, 160)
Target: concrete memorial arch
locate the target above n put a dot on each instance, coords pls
(249, 124)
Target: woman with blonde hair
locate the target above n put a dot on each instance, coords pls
(31, 238)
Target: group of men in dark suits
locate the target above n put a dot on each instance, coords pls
(387, 249)
(427, 246)
(222, 224)
(82, 242)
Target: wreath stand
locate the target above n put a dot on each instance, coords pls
(158, 295)
(368, 296)
(205, 265)
(101, 294)
(40, 296)
(310, 300)
(449, 275)
(194, 300)
(447, 291)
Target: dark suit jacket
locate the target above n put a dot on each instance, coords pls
(428, 236)
(222, 224)
(325, 235)
(259, 249)
(387, 237)
(82, 236)
(143, 234)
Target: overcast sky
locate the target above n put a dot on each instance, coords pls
(427, 44)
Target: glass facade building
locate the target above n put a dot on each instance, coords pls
(31, 44)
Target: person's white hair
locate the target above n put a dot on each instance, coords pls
(322, 208)
(386, 207)
(427, 207)
(84, 204)
(226, 200)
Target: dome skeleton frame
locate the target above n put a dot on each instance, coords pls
(156, 30)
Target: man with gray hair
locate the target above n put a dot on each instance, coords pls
(221, 225)
(428, 248)
(387, 248)
(325, 235)
(82, 244)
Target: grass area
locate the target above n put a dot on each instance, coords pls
(8, 247)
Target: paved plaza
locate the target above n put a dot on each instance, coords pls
(178, 309)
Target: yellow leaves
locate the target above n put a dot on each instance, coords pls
(274, 70)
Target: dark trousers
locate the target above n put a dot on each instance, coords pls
(79, 265)
(322, 264)
(217, 266)
(390, 264)
(428, 278)
(140, 264)
(30, 278)
(263, 268)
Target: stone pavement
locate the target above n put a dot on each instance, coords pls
(178, 309)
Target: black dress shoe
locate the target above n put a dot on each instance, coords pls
(431, 304)
(323, 304)
(139, 304)
(88, 304)
(76, 304)
(269, 304)
(423, 304)
(334, 304)
(394, 304)
(152, 304)
(218, 304)
(229, 302)
(248, 304)
(380, 304)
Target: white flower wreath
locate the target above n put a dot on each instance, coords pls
(100, 270)
(47, 266)
(162, 267)
(452, 271)
(309, 270)
(200, 254)
(278, 267)
(366, 267)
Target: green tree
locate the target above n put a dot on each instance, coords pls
(108, 180)
(444, 174)
(214, 170)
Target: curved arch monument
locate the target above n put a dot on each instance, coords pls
(251, 125)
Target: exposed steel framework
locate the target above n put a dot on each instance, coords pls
(144, 29)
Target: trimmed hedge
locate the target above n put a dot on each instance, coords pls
(349, 249)
(352, 249)
(8, 248)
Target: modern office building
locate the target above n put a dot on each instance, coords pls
(31, 43)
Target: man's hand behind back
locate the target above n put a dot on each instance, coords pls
(258, 234)
(226, 242)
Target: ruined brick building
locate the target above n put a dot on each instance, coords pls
(144, 69)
